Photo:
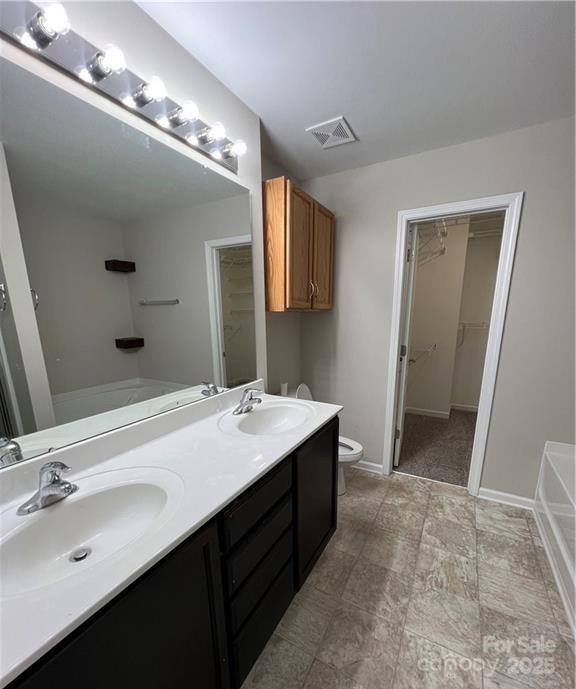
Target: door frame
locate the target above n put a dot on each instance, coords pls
(211, 249)
(511, 204)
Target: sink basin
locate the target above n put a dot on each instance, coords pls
(109, 511)
(269, 418)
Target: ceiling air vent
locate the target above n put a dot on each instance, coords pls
(332, 133)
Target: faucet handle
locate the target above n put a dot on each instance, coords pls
(52, 471)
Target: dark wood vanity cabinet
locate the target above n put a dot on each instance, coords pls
(316, 489)
(166, 630)
(200, 618)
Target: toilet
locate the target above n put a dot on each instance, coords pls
(349, 451)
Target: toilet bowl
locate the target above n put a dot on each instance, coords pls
(349, 451)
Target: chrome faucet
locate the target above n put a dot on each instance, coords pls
(210, 390)
(10, 452)
(51, 489)
(248, 401)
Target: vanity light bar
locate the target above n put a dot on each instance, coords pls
(46, 32)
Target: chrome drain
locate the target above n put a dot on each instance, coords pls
(80, 554)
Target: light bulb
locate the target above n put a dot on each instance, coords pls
(187, 112)
(190, 111)
(192, 139)
(47, 24)
(217, 132)
(155, 89)
(239, 148)
(112, 59)
(55, 19)
(148, 91)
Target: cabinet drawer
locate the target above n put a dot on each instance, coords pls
(242, 562)
(255, 586)
(259, 627)
(247, 511)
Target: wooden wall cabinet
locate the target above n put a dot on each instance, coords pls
(299, 249)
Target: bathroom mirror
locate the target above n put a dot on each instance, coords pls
(125, 271)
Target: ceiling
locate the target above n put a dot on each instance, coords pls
(408, 76)
(62, 150)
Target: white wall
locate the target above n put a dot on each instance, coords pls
(170, 263)
(435, 315)
(476, 307)
(83, 307)
(345, 351)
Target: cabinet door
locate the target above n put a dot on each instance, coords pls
(322, 257)
(316, 495)
(164, 631)
(299, 238)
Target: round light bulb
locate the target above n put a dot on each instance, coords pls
(55, 19)
(112, 59)
(154, 89)
(189, 111)
(217, 131)
(239, 148)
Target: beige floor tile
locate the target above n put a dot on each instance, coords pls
(517, 555)
(366, 485)
(425, 665)
(408, 491)
(378, 590)
(534, 532)
(442, 570)
(559, 612)
(281, 665)
(502, 519)
(362, 646)
(534, 654)
(358, 506)
(401, 521)
(445, 619)
(514, 595)
(448, 508)
(323, 676)
(351, 534)
(498, 681)
(451, 491)
(332, 571)
(307, 618)
(450, 536)
(390, 550)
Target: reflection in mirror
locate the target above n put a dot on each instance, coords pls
(125, 273)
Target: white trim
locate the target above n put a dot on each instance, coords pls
(211, 248)
(428, 412)
(464, 407)
(511, 204)
(370, 467)
(506, 498)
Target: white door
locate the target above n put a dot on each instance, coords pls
(402, 371)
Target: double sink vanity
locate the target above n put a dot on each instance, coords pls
(175, 557)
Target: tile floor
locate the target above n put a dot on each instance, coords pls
(423, 587)
(438, 449)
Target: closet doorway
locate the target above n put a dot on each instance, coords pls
(231, 304)
(452, 281)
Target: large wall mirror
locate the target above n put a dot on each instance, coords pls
(125, 272)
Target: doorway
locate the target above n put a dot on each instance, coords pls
(453, 269)
(231, 303)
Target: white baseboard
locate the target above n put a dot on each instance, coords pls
(464, 407)
(428, 412)
(506, 498)
(372, 467)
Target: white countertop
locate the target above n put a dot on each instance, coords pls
(214, 468)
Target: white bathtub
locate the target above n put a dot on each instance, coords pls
(79, 404)
(555, 510)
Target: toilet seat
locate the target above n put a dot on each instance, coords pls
(349, 451)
